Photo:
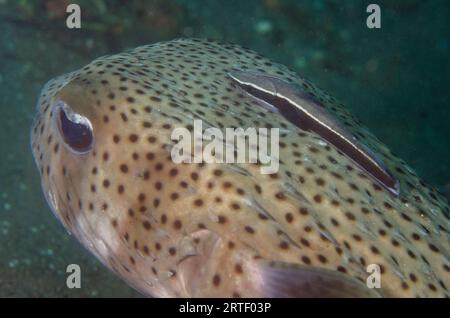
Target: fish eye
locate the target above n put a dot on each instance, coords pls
(76, 130)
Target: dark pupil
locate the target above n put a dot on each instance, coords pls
(77, 136)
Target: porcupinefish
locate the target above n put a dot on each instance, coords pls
(340, 201)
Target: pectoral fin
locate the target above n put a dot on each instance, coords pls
(283, 280)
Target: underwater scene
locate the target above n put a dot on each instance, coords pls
(206, 148)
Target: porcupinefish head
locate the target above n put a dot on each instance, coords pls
(338, 203)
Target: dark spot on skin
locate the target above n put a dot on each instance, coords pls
(227, 184)
(222, 219)
(177, 224)
(216, 280)
(184, 184)
(365, 210)
(341, 269)
(124, 168)
(433, 248)
(303, 211)
(238, 269)
(395, 243)
(432, 287)
(141, 197)
(306, 260)
(320, 182)
(133, 138)
(322, 258)
(284, 245)
(334, 222)
(405, 217)
(389, 225)
(415, 236)
(147, 225)
(374, 250)
(289, 217)
(411, 254)
(249, 229)
(304, 242)
(235, 206)
(198, 202)
(280, 196)
(350, 216)
(318, 198)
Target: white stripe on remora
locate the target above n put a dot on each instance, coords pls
(278, 93)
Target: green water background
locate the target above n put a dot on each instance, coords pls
(394, 79)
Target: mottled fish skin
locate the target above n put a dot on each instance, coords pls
(207, 229)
